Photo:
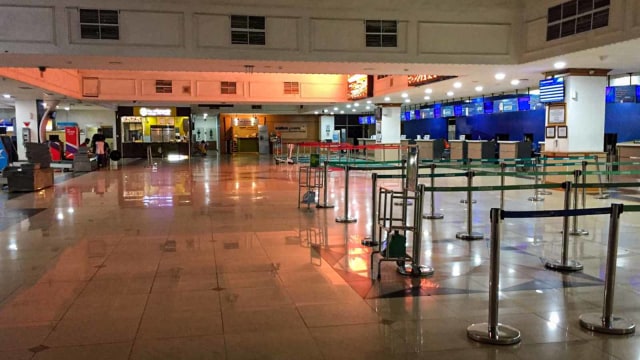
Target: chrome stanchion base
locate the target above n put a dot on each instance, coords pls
(571, 265)
(536, 198)
(464, 201)
(435, 216)
(399, 203)
(418, 271)
(618, 326)
(368, 242)
(346, 220)
(324, 206)
(463, 235)
(502, 335)
(578, 232)
(543, 192)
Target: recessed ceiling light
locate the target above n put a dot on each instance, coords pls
(407, 100)
(368, 101)
(335, 109)
(315, 112)
(515, 82)
(404, 95)
(332, 113)
(354, 110)
(427, 97)
(66, 108)
(386, 98)
(449, 93)
(500, 76)
(560, 65)
(428, 90)
(348, 106)
(368, 107)
(356, 104)
(457, 84)
(6, 96)
(341, 111)
(479, 88)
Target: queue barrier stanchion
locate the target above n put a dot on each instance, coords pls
(503, 167)
(575, 231)
(564, 264)
(433, 215)
(468, 199)
(469, 234)
(544, 177)
(492, 332)
(584, 181)
(346, 219)
(371, 240)
(325, 175)
(415, 269)
(606, 322)
(536, 195)
(601, 193)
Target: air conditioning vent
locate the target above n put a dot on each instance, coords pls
(575, 17)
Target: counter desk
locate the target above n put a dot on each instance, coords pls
(158, 149)
(628, 152)
(379, 154)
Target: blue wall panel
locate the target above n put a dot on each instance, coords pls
(624, 120)
(437, 128)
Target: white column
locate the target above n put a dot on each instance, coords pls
(390, 127)
(26, 113)
(327, 123)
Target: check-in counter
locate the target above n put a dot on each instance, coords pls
(628, 152)
(430, 149)
(381, 154)
(514, 149)
(481, 149)
(458, 149)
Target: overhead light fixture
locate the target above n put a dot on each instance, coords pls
(335, 109)
(457, 84)
(405, 95)
(66, 108)
(348, 106)
(316, 112)
(500, 76)
(356, 104)
(368, 107)
(479, 88)
(407, 100)
(560, 65)
(386, 98)
(427, 97)
(449, 93)
(515, 82)
(6, 96)
(368, 101)
(341, 111)
(428, 90)
(354, 110)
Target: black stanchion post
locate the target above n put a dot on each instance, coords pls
(433, 215)
(346, 219)
(469, 234)
(371, 240)
(606, 322)
(493, 332)
(325, 184)
(536, 195)
(574, 228)
(564, 264)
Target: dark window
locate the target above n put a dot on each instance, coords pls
(164, 87)
(291, 88)
(576, 16)
(248, 30)
(99, 24)
(228, 87)
(381, 33)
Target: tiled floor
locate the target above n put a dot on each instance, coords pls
(214, 260)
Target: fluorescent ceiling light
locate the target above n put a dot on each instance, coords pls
(457, 85)
(427, 97)
(479, 88)
(560, 65)
(515, 82)
(449, 93)
(500, 76)
(404, 95)
(428, 91)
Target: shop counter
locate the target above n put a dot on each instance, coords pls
(139, 150)
(247, 144)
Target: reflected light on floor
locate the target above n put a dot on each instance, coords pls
(176, 157)
(358, 264)
(554, 320)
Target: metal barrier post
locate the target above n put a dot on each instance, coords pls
(544, 177)
(433, 215)
(371, 240)
(564, 264)
(469, 234)
(326, 172)
(606, 322)
(574, 229)
(493, 332)
(601, 194)
(468, 199)
(536, 195)
(584, 181)
(346, 219)
(415, 269)
(503, 167)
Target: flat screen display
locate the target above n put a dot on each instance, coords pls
(417, 115)
(523, 103)
(552, 90)
(488, 107)
(457, 110)
(437, 111)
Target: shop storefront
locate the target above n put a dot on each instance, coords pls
(164, 130)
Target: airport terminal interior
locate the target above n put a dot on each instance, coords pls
(290, 180)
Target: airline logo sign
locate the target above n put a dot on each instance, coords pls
(143, 111)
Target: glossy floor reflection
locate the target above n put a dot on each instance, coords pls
(214, 260)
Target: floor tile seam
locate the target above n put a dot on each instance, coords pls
(224, 340)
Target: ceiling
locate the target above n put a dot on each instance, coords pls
(621, 58)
